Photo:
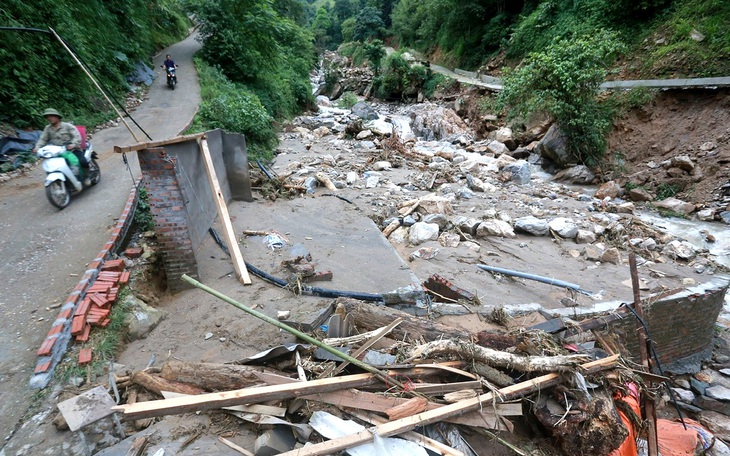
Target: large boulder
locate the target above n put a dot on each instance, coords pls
(532, 225)
(518, 172)
(421, 232)
(554, 146)
(364, 111)
(675, 205)
(431, 121)
(495, 228)
(579, 174)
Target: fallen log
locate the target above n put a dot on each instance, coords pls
(213, 376)
(492, 375)
(157, 384)
(432, 416)
(498, 358)
(252, 395)
(367, 317)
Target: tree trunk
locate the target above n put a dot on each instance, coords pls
(367, 317)
(157, 384)
(212, 376)
(497, 358)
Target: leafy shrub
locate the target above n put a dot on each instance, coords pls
(664, 191)
(399, 79)
(563, 81)
(142, 215)
(234, 108)
(347, 100)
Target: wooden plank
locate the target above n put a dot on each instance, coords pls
(379, 335)
(220, 203)
(375, 402)
(233, 446)
(243, 396)
(440, 414)
(164, 142)
(258, 409)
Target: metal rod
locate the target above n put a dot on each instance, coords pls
(525, 275)
(96, 84)
(377, 372)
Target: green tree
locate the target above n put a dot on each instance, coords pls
(563, 81)
(321, 28)
(348, 29)
(344, 9)
(368, 25)
(375, 51)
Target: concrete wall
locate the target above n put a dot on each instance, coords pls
(181, 199)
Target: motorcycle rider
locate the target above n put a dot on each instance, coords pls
(168, 63)
(60, 133)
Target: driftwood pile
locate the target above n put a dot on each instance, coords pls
(437, 374)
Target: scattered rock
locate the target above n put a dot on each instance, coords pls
(675, 205)
(422, 232)
(532, 225)
(495, 228)
(141, 318)
(610, 189)
(564, 227)
(611, 255)
(579, 175)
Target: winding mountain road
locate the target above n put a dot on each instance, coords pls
(44, 251)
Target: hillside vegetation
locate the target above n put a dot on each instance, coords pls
(109, 36)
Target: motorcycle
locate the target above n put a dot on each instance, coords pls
(61, 180)
(171, 77)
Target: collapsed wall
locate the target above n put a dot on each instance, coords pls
(181, 200)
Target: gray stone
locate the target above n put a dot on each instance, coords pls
(497, 148)
(707, 403)
(364, 111)
(399, 236)
(648, 244)
(408, 220)
(625, 208)
(365, 134)
(321, 132)
(725, 371)
(698, 386)
(532, 225)
(382, 165)
(372, 181)
(611, 255)
(706, 215)
(495, 228)
(351, 177)
(422, 232)
(682, 162)
(679, 250)
(592, 253)
(725, 217)
(449, 239)
(675, 205)
(466, 224)
(554, 147)
(585, 237)
(682, 383)
(439, 219)
(718, 392)
(519, 171)
(564, 227)
(579, 175)
(683, 395)
(717, 423)
(141, 319)
(279, 439)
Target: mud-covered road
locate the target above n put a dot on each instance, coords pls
(44, 251)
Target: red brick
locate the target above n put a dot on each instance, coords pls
(77, 326)
(94, 265)
(84, 356)
(133, 252)
(99, 300)
(46, 347)
(55, 330)
(105, 322)
(124, 278)
(65, 313)
(113, 265)
(42, 367)
(83, 308)
(84, 336)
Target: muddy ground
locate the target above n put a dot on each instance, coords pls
(338, 235)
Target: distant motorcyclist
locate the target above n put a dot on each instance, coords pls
(60, 133)
(168, 63)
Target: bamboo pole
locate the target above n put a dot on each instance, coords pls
(78, 62)
(306, 337)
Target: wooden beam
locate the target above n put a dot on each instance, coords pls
(243, 396)
(220, 203)
(432, 416)
(163, 142)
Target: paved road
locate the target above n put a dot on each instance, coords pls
(44, 251)
(495, 84)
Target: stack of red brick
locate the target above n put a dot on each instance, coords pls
(95, 308)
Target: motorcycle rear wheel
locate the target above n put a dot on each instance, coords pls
(94, 172)
(58, 194)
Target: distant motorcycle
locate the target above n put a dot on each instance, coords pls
(171, 77)
(61, 180)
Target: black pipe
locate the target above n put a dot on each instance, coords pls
(305, 289)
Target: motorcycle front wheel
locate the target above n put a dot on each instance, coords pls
(58, 194)
(94, 172)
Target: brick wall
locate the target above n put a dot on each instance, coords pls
(681, 326)
(170, 216)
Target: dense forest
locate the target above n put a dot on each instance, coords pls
(257, 54)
